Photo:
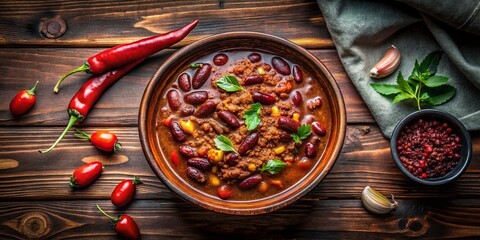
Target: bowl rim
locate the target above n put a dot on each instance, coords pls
(467, 143)
(154, 81)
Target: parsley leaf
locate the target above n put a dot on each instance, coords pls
(196, 65)
(252, 116)
(422, 85)
(302, 133)
(273, 166)
(224, 144)
(229, 84)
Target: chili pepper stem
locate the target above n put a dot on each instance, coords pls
(82, 134)
(136, 180)
(114, 220)
(71, 122)
(32, 90)
(83, 68)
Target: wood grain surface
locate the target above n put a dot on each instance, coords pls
(36, 202)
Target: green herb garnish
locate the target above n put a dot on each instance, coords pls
(252, 116)
(302, 133)
(273, 166)
(196, 65)
(422, 85)
(229, 84)
(224, 144)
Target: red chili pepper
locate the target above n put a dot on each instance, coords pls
(120, 55)
(86, 175)
(88, 94)
(23, 101)
(103, 140)
(124, 192)
(174, 158)
(125, 226)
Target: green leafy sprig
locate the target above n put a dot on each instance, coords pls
(273, 166)
(224, 144)
(229, 84)
(422, 85)
(302, 133)
(252, 116)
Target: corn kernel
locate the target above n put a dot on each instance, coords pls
(252, 167)
(213, 180)
(262, 186)
(215, 155)
(261, 71)
(188, 126)
(214, 169)
(275, 111)
(279, 150)
(296, 117)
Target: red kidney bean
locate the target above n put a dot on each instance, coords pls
(253, 79)
(220, 59)
(297, 98)
(318, 129)
(307, 119)
(184, 82)
(206, 109)
(314, 103)
(231, 158)
(281, 66)
(285, 137)
(173, 97)
(188, 151)
(196, 175)
(177, 131)
(187, 110)
(229, 118)
(288, 124)
(250, 182)
(254, 57)
(310, 150)
(297, 74)
(248, 143)
(263, 98)
(196, 97)
(199, 163)
(201, 75)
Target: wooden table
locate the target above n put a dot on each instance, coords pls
(36, 202)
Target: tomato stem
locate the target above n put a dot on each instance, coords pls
(83, 68)
(114, 220)
(71, 122)
(32, 90)
(136, 180)
(82, 134)
(117, 147)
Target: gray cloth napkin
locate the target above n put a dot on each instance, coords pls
(363, 30)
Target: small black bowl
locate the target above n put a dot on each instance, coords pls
(457, 127)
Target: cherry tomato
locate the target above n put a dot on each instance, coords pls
(124, 192)
(103, 140)
(85, 175)
(125, 226)
(23, 101)
(225, 191)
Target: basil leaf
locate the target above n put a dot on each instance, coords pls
(273, 166)
(229, 84)
(295, 137)
(224, 144)
(430, 63)
(403, 85)
(252, 116)
(385, 89)
(435, 81)
(439, 95)
(402, 96)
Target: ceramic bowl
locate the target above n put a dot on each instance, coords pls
(249, 41)
(458, 128)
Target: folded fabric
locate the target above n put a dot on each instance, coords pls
(363, 30)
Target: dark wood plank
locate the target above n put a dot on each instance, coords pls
(108, 23)
(429, 218)
(20, 68)
(365, 160)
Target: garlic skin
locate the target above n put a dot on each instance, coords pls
(376, 202)
(387, 64)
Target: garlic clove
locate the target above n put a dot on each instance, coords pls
(387, 64)
(376, 202)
